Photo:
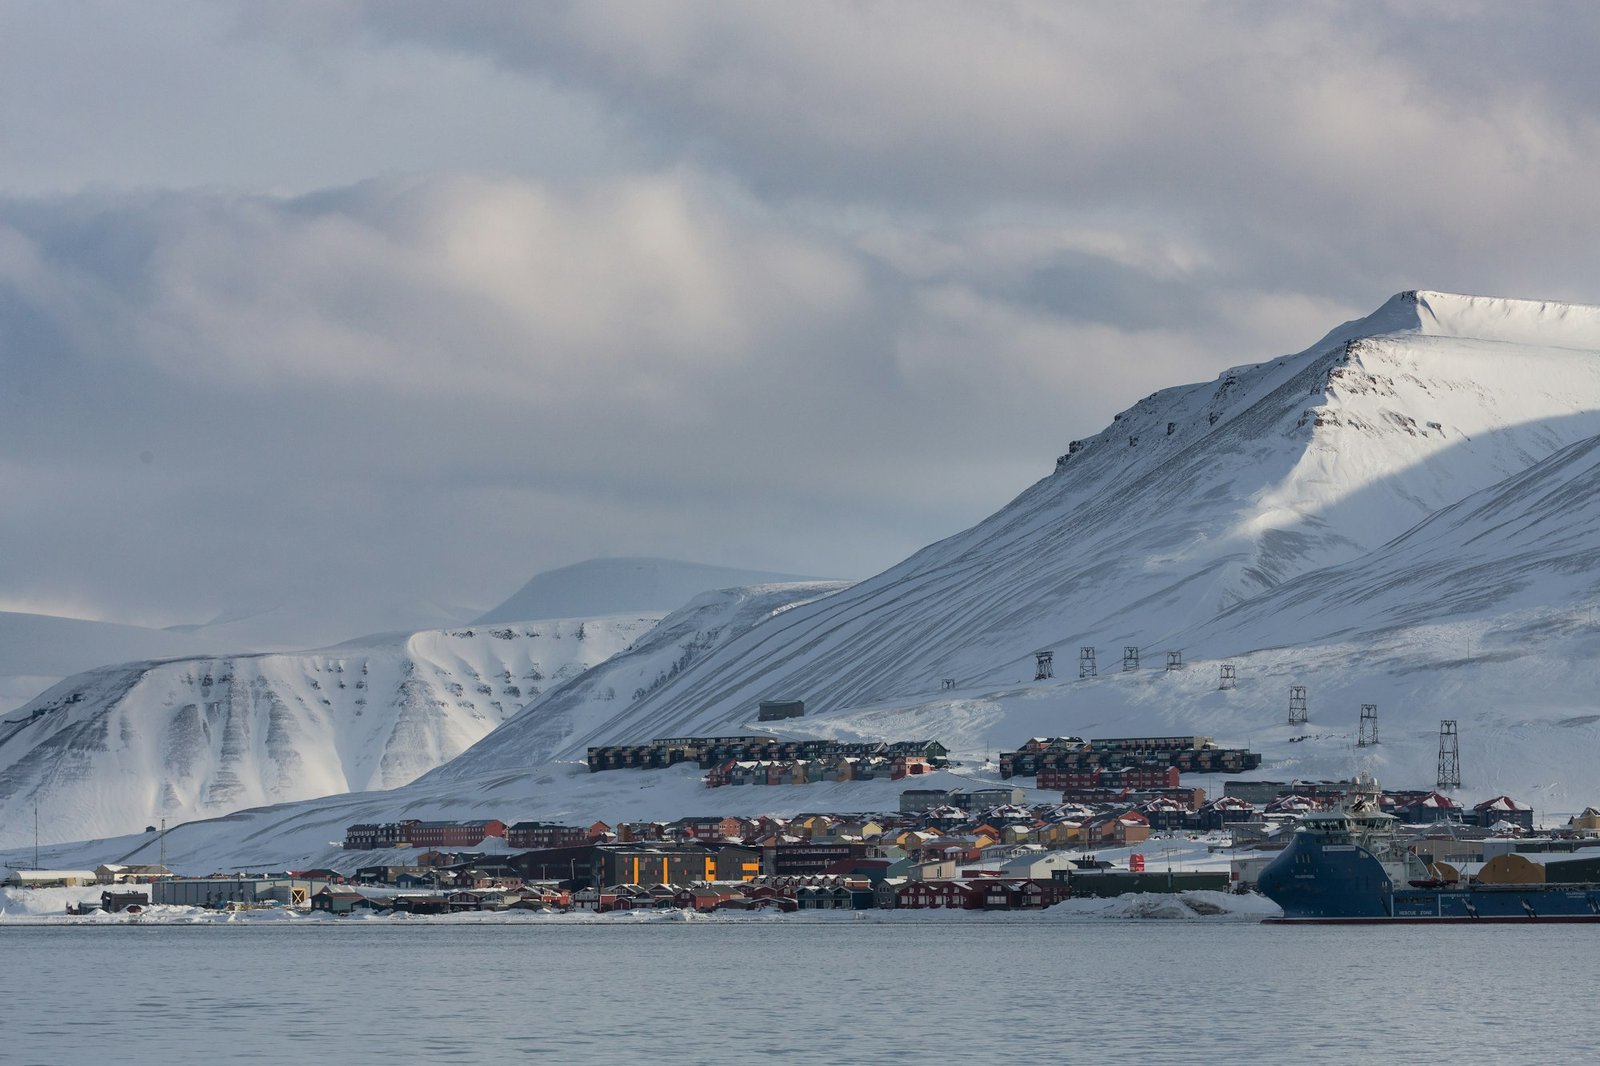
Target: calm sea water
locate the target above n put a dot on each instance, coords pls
(937, 990)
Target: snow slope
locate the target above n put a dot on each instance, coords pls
(118, 747)
(568, 717)
(615, 586)
(1487, 614)
(1528, 543)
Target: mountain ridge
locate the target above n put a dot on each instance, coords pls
(598, 587)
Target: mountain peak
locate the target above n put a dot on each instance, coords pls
(1501, 319)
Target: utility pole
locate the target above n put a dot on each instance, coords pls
(35, 834)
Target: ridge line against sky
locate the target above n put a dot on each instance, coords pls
(365, 303)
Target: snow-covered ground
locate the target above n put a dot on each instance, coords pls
(1183, 906)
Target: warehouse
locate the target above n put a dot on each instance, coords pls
(218, 892)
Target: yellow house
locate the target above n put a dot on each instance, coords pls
(1058, 833)
(814, 825)
(1587, 822)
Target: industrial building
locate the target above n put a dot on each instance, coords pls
(218, 892)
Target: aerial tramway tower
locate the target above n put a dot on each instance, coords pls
(1449, 755)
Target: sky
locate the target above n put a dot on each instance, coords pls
(401, 302)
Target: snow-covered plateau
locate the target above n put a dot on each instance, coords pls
(1403, 514)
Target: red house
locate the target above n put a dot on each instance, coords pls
(947, 895)
(455, 834)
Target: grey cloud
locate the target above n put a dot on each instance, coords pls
(800, 287)
(1286, 136)
(221, 398)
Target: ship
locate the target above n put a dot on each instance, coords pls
(1348, 865)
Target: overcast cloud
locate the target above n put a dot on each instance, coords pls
(396, 300)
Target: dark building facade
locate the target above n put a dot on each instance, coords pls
(534, 835)
(776, 710)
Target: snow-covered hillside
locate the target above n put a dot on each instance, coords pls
(118, 747)
(1487, 614)
(569, 717)
(617, 586)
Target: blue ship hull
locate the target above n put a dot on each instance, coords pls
(1321, 882)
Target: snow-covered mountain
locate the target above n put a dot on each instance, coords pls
(615, 586)
(1192, 501)
(1403, 514)
(118, 747)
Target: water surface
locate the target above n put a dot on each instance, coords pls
(786, 990)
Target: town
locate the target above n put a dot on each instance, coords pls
(985, 848)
